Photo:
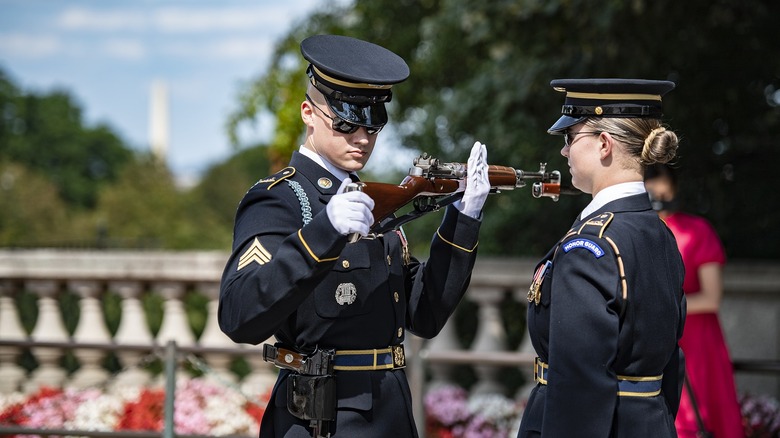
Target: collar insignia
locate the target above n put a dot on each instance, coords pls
(325, 183)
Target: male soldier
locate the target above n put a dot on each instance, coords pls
(340, 310)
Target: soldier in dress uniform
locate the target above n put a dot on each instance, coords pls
(606, 307)
(340, 310)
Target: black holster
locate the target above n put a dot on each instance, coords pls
(311, 387)
(312, 397)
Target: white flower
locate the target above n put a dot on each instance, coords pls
(100, 414)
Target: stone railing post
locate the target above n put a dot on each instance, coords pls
(11, 374)
(491, 336)
(175, 326)
(91, 329)
(263, 375)
(133, 330)
(526, 347)
(446, 340)
(48, 328)
(214, 337)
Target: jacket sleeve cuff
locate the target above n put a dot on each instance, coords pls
(459, 230)
(320, 240)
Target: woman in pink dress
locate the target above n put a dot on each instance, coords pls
(707, 363)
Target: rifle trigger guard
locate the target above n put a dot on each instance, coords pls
(397, 222)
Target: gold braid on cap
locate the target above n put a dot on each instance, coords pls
(651, 136)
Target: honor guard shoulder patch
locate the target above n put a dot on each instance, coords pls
(255, 253)
(588, 244)
(277, 177)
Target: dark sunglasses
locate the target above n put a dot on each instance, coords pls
(343, 126)
(569, 136)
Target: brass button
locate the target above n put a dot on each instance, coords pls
(345, 264)
(598, 110)
(396, 296)
(400, 331)
(389, 260)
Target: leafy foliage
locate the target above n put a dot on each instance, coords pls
(480, 71)
(33, 207)
(47, 134)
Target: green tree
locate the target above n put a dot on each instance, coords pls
(145, 209)
(223, 185)
(481, 71)
(46, 133)
(31, 211)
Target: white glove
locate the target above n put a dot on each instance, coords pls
(477, 183)
(350, 212)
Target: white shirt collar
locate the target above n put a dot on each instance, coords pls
(327, 165)
(612, 193)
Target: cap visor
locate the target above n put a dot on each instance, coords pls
(374, 116)
(563, 124)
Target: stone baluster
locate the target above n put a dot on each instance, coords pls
(214, 337)
(175, 326)
(133, 330)
(11, 374)
(263, 374)
(49, 327)
(527, 348)
(91, 329)
(491, 337)
(445, 341)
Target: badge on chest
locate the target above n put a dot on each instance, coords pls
(346, 293)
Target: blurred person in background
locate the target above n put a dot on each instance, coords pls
(713, 404)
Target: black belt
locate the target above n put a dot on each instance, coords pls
(628, 386)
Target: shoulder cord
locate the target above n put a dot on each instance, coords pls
(303, 200)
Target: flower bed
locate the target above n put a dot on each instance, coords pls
(201, 408)
(760, 416)
(204, 408)
(451, 413)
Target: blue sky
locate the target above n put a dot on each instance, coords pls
(107, 54)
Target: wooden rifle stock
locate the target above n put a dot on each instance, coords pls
(388, 198)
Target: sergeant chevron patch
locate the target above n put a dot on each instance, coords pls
(255, 253)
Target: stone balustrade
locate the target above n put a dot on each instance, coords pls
(749, 315)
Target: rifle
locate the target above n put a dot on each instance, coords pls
(431, 185)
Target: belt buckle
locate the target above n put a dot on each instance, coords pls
(539, 371)
(399, 357)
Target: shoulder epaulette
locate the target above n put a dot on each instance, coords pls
(277, 177)
(596, 226)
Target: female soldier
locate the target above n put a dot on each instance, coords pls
(606, 307)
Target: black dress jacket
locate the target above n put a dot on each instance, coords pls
(611, 305)
(286, 277)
